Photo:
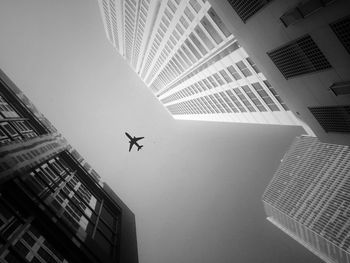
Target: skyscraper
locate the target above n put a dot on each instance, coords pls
(53, 205)
(186, 55)
(309, 197)
(303, 49)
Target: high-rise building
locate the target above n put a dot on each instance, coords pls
(309, 198)
(303, 49)
(186, 55)
(53, 205)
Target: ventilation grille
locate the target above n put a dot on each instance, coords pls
(342, 30)
(333, 119)
(247, 8)
(299, 57)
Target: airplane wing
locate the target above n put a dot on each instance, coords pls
(130, 146)
(139, 138)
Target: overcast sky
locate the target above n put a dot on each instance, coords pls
(195, 187)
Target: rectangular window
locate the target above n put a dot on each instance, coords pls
(236, 101)
(179, 28)
(253, 65)
(193, 49)
(168, 14)
(243, 68)
(212, 81)
(184, 22)
(217, 20)
(247, 8)
(244, 100)
(202, 85)
(333, 118)
(341, 88)
(253, 98)
(189, 54)
(189, 14)
(195, 5)
(275, 94)
(298, 57)
(225, 76)
(341, 28)
(229, 102)
(209, 44)
(172, 6)
(266, 98)
(233, 72)
(211, 30)
(222, 103)
(198, 44)
(218, 79)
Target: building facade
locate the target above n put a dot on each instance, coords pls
(187, 56)
(303, 49)
(309, 198)
(53, 205)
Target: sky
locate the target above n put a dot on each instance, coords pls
(195, 187)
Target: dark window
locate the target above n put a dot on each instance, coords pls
(247, 8)
(342, 30)
(333, 118)
(299, 57)
(341, 88)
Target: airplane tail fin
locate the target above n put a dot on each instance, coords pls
(139, 148)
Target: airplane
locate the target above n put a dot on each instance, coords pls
(133, 141)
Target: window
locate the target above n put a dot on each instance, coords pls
(247, 8)
(168, 14)
(198, 44)
(275, 94)
(218, 79)
(189, 14)
(184, 22)
(202, 85)
(263, 94)
(193, 49)
(229, 102)
(298, 57)
(236, 101)
(189, 54)
(195, 5)
(211, 30)
(217, 20)
(341, 28)
(212, 81)
(206, 82)
(233, 72)
(8, 128)
(6, 109)
(253, 65)
(179, 28)
(253, 98)
(204, 38)
(333, 118)
(243, 68)
(222, 103)
(244, 100)
(341, 88)
(172, 6)
(225, 76)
